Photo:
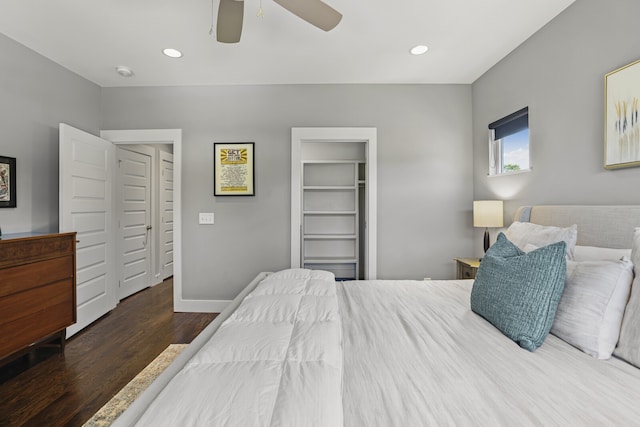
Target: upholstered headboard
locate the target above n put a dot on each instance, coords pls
(603, 226)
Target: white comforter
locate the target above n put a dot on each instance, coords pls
(276, 361)
(302, 350)
(416, 355)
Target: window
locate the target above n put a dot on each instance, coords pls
(509, 143)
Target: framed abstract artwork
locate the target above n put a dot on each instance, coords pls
(7, 182)
(233, 169)
(621, 127)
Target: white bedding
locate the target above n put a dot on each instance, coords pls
(304, 351)
(276, 361)
(415, 355)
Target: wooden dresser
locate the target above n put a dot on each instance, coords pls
(37, 290)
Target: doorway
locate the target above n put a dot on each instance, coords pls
(349, 204)
(169, 256)
(87, 206)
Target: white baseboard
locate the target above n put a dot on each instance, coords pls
(200, 306)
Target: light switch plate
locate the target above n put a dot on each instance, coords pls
(206, 218)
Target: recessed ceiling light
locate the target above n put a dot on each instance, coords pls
(172, 53)
(124, 71)
(419, 50)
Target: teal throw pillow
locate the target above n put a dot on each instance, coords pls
(519, 292)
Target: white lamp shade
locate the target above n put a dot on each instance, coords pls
(488, 213)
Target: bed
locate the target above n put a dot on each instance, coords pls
(297, 348)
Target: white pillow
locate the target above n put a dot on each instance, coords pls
(524, 233)
(594, 253)
(629, 344)
(590, 311)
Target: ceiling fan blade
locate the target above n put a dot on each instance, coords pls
(229, 27)
(314, 12)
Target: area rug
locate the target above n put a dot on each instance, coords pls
(121, 401)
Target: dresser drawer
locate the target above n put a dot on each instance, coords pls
(31, 315)
(18, 251)
(32, 275)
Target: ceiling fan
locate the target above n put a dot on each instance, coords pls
(315, 12)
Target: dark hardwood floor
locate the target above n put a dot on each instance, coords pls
(66, 390)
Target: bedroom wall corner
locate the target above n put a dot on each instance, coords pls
(559, 74)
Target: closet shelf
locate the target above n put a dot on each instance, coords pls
(330, 260)
(329, 187)
(331, 162)
(329, 212)
(330, 236)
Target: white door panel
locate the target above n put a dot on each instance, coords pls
(93, 288)
(86, 188)
(134, 244)
(134, 209)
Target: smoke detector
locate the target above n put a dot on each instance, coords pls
(124, 71)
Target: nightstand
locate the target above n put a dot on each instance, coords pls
(466, 268)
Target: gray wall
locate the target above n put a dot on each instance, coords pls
(425, 171)
(37, 95)
(559, 73)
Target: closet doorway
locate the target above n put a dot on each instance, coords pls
(333, 200)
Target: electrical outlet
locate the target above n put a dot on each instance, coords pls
(206, 218)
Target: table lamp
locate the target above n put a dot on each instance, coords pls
(488, 213)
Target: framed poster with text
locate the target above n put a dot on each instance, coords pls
(233, 169)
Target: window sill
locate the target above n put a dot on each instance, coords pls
(511, 173)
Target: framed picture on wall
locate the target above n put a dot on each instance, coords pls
(7, 182)
(233, 169)
(621, 127)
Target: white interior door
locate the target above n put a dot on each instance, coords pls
(166, 214)
(134, 219)
(86, 200)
